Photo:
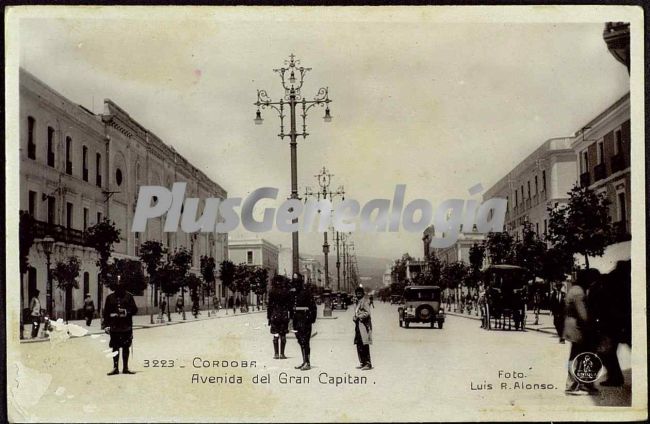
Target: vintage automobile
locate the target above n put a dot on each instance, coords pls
(395, 299)
(506, 292)
(421, 304)
(339, 301)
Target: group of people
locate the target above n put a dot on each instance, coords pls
(595, 316)
(290, 301)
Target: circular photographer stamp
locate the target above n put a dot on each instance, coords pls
(586, 367)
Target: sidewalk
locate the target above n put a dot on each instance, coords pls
(544, 325)
(144, 321)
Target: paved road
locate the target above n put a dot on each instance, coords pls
(420, 374)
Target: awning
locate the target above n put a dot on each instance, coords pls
(606, 263)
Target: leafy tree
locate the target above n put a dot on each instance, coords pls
(101, 237)
(130, 273)
(182, 262)
(243, 281)
(582, 225)
(499, 247)
(476, 256)
(398, 270)
(208, 266)
(168, 275)
(65, 273)
(194, 284)
(530, 250)
(556, 264)
(26, 237)
(260, 281)
(454, 273)
(151, 255)
(227, 275)
(434, 269)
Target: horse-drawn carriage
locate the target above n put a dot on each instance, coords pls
(504, 301)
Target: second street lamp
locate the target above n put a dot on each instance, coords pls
(292, 77)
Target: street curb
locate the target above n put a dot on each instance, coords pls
(145, 326)
(475, 318)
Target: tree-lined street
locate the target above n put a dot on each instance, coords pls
(426, 373)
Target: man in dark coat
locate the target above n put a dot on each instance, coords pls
(119, 309)
(277, 314)
(557, 306)
(362, 329)
(304, 315)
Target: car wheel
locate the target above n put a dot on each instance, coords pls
(440, 324)
(432, 324)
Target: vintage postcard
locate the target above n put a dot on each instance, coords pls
(325, 214)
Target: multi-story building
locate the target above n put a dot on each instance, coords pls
(310, 267)
(603, 149)
(77, 167)
(254, 252)
(542, 179)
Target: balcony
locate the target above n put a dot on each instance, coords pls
(68, 167)
(585, 180)
(617, 162)
(59, 233)
(600, 172)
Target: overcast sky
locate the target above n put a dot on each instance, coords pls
(436, 106)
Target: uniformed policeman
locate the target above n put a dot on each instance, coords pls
(117, 321)
(277, 314)
(304, 315)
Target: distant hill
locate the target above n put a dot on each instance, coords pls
(369, 266)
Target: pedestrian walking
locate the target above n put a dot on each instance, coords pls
(119, 309)
(304, 315)
(607, 313)
(277, 314)
(179, 305)
(163, 307)
(35, 313)
(89, 309)
(371, 301)
(558, 309)
(362, 329)
(577, 329)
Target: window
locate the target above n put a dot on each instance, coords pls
(622, 207)
(507, 204)
(618, 142)
(544, 180)
(98, 175)
(118, 176)
(68, 215)
(537, 228)
(99, 217)
(68, 155)
(528, 183)
(51, 205)
(86, 218)
(536, 186)
(249, 257)
(584, 162)
(31, 147)
(86, 284)
(522, 193)
(84, 162)
(50, 146)
(32, 204)
(516, 198)
(600, 152)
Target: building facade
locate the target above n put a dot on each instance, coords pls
(76, 168)
(541, 180)
(254, 252)
(603, 150)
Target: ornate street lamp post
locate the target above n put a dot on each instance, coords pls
(48, 245)
(292, 77)
(324, 180)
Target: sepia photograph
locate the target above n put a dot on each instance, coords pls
(325, 214)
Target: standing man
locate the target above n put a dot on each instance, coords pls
(277, 314)
(304, 315)
(371, 298)
(35, 313)
(558, 295)
(118, 323)
(362, 329)
(89, 309)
